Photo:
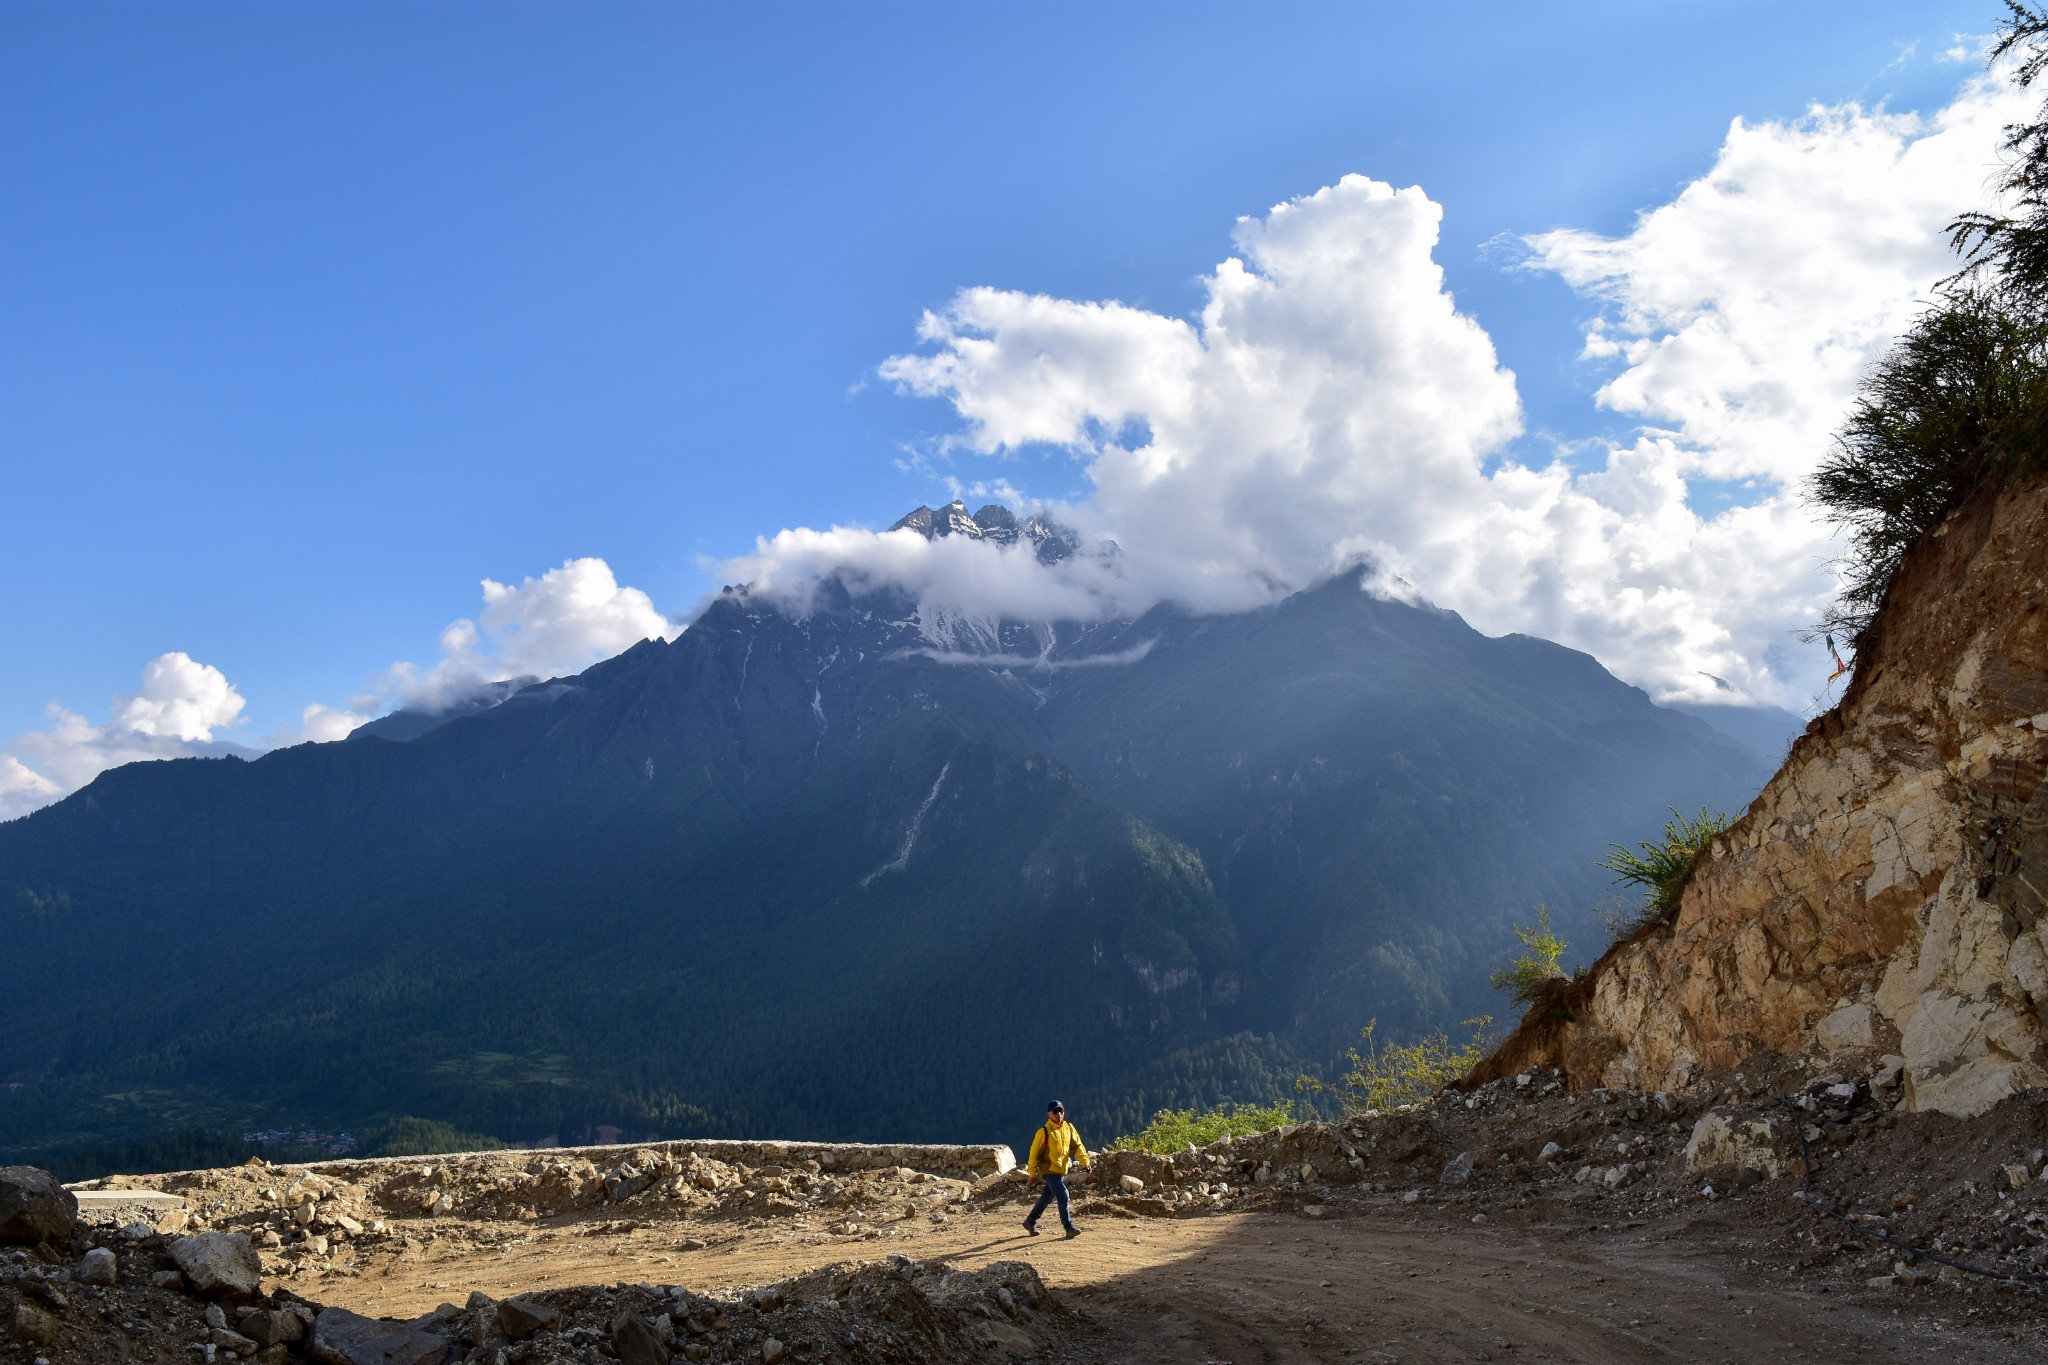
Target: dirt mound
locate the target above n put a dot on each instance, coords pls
(305, 1214)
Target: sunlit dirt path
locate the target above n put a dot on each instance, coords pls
(1370, 1282)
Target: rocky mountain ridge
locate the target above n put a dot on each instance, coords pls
(997, 525)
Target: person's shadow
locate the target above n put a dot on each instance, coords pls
(989, 1245)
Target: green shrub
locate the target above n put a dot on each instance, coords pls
(1957, 401)
(1176, 1130)
(1540, 961)
(2009, 249)
(1385, 1075)
(1664, 866)
(1961, 400)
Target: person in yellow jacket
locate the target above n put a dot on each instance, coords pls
(1053, 1151)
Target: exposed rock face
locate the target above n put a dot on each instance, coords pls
(1890, 882)
(1050, 541)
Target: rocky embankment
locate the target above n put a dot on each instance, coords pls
(1887, 893)
(1821, 1170)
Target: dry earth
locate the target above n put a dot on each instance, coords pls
(1373, 1280)
(1518, 1222)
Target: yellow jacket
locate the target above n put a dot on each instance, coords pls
(1054, 1149)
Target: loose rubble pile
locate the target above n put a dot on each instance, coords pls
(891, 1311)
(1772, 1144)
(71, 1294)
(309, 1212)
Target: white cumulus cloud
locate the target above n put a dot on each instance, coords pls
(1744, 311)
(1329, 401)
(323, 724)
(22, 788)
(175, 714)
(561, 622)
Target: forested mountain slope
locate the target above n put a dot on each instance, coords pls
(807, 873)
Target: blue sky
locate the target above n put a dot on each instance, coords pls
(316, 315)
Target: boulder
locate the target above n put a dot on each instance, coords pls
(1149, 1167)
(98, 1268)
(268, 1328)
(1725, 1138)
(220, 1265)
(519, 1319)
(1852, 1028)
(344, 1338)
(34, 1207)
(33, 1326)
(234, 1343)
(636, 1341)
(1457, 1171)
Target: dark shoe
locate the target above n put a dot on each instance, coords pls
(1031, 1228)
(1073, 1233)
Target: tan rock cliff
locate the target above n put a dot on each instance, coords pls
(1888, 889)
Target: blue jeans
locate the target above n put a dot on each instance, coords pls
(1055, 1188)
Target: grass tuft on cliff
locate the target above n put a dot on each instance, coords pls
(1664, 865)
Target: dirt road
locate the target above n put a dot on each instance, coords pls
(1373, 1279)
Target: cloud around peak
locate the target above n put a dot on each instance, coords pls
(565, 620)
(1330, 402)
(1328, 378)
